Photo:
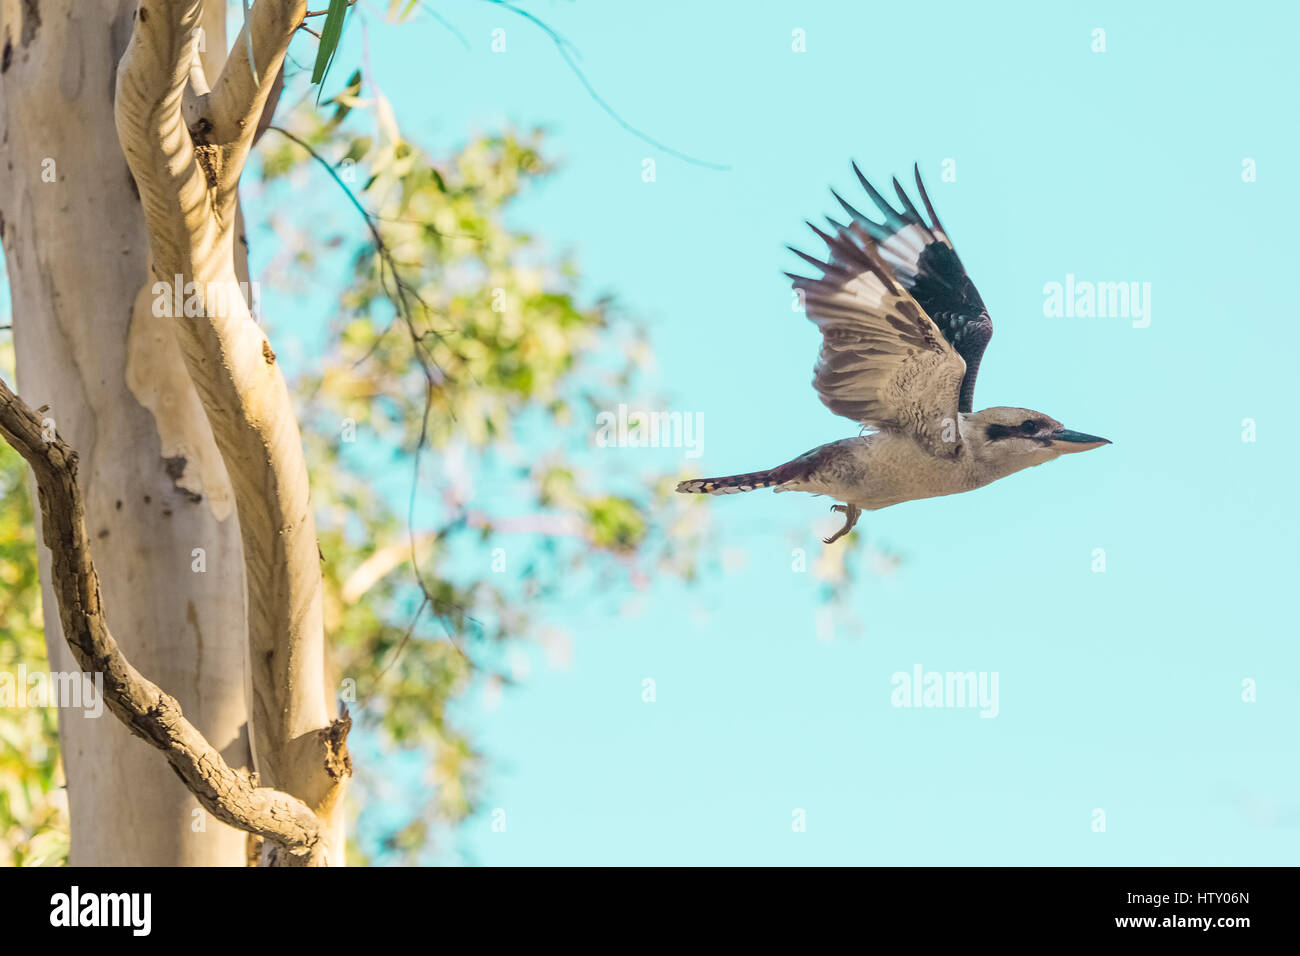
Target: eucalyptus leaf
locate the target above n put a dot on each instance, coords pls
(330, 34)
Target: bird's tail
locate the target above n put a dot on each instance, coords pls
(732, 484)
(796, 471)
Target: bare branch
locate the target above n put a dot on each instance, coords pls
(237, 97)
(146, 710)
(151, 84)
(186, 158)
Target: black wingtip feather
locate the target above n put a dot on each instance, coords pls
(873, 229)
(892, 218)
(821, 235)
(910, 211)
(925, 198)
(857, 216)
(826, 267)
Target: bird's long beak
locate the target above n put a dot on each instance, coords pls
(1068, 441)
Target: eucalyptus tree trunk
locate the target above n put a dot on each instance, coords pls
(161, 510)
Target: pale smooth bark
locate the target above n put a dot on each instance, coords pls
(186, 147)
(209, 382)
(154, 487)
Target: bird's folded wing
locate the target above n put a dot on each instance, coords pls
(922, 259)
(883, 362)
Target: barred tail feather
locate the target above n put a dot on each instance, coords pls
(731, 484)
(796, 470)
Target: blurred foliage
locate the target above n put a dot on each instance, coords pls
(447, 418)
(459, 347)
(459, 344)
(33, 802)
(447, 421)
(461, 358)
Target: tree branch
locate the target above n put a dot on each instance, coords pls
(174, 189)
(237, 98)
(186, 152)
(146, 710)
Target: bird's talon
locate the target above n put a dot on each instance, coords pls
(851, 514)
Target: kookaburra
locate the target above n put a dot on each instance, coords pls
(903, 330)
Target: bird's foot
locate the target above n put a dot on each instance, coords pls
(851, 514)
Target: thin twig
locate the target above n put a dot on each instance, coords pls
(566, 50)
(402, 295)
(321, 13)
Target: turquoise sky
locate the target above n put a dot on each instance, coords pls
(1119, 690)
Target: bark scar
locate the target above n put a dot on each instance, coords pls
(207, 155)
(338, 762)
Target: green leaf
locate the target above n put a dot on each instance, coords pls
(345, 99)
(357, 151)
(329, 39)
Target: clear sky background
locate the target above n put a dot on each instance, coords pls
(1119, 690)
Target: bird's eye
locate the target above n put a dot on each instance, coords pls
(1028, 426)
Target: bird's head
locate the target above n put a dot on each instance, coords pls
(1022, 436)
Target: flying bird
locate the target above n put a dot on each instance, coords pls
(903, 331)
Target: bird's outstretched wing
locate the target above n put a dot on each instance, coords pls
(924, 262)
(883, 362)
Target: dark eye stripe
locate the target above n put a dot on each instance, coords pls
(1027, 427)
